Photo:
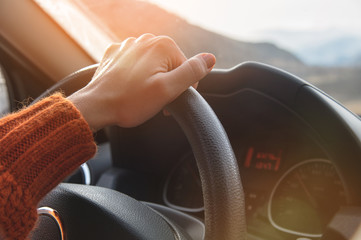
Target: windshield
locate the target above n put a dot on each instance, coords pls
(319, 41)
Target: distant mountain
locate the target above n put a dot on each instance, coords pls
(357, 60)
(328, 47)
(138, 17)
(341, 51)
(125, 18)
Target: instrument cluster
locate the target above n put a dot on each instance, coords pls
(290, 185)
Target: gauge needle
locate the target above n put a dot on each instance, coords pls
(312, 199)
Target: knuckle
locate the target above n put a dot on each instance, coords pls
(128, 41)
(144, 37)
(147, 35)
(112, 48)
(165, 41)
(115, 47)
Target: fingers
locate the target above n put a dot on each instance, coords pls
(145, 37)
(190, 72)
(114, 47)
(141, 75)
(128, 42)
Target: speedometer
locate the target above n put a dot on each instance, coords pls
(306, 197)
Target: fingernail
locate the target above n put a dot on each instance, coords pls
(210, 59)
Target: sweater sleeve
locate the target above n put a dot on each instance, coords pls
(39, 147)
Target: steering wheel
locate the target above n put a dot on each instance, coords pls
(90, 212)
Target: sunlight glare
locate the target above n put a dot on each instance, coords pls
(247, 19)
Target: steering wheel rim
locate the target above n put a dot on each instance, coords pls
(221, 184)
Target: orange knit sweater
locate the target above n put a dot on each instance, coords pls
(39, 146)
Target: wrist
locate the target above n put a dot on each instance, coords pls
(87, 106)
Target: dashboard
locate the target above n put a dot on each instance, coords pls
(287, 175)
(296, 169)
(297, 151)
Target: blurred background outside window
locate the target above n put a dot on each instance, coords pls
(317, 40)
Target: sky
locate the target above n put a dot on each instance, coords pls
(257, 20)
(318, 32)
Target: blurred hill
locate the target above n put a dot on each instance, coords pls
(138, 17)
(337, 51)
(133, 18)
(327, 47)
(357, 60)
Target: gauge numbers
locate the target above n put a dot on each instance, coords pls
(306, 197)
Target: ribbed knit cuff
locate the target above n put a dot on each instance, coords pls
(39, 146)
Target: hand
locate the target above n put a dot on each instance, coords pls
(136, 79)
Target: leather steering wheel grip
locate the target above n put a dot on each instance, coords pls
(221, 183)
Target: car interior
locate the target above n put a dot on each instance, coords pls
(255, 153)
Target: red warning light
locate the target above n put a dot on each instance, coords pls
(263, 160)
(249, 157)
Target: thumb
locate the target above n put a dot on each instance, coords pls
(191, 71)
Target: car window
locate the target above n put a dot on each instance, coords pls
(4, 95)
(319, 41)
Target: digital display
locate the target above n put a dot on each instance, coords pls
(263, 160)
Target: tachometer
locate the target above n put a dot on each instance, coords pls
(306, 197)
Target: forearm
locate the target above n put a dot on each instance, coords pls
(39, 146)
